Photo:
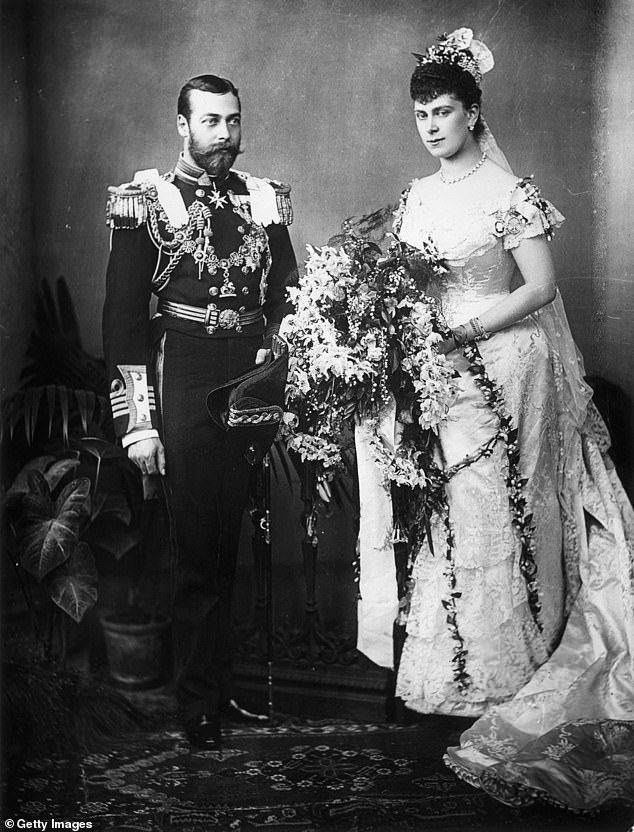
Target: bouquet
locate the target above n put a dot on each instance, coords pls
(364, 337)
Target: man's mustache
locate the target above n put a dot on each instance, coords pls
(225, 147)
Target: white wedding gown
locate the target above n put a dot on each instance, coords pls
(552, 682)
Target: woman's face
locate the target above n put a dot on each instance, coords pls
(443, 124)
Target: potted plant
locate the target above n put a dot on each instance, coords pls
(55, 523)
(75, 522)
(136, 633)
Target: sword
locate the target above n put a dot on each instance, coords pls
(265, 525)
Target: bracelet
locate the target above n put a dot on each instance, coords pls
(479, 332)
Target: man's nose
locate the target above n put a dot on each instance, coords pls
(222, 130)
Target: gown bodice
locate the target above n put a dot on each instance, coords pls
(475, 239)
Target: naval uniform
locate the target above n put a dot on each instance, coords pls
(217, 254)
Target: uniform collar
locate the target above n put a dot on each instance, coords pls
(193, 174)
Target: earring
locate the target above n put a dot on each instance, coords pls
(472, 127)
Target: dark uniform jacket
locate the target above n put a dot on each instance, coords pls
(218, 256)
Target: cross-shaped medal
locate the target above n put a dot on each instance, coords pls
(216, 199)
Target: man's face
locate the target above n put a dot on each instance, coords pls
(212, 134)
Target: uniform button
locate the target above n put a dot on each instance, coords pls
(241, 229)
(245, 290)
(200, 192)
(210, 330)
(213, 291)
(140, 397)
(138, 376)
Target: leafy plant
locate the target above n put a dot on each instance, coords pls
(55, 524)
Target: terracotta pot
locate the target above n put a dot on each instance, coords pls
(137, 650)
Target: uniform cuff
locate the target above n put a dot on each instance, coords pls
(137, 436)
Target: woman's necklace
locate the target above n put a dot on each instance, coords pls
(476, 167)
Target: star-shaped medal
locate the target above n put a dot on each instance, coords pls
(216, 199)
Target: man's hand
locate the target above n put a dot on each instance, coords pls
(261, 356)
(148, 455)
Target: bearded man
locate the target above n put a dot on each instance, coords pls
(212, 244)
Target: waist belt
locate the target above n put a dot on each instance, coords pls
(210, 316)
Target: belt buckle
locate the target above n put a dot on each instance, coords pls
(229, 319)
(211, 318)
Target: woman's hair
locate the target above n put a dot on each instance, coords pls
(431, 80)
(206, 83)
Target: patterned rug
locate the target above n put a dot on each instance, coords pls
(297, 775)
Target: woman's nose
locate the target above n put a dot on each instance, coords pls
(432, 127)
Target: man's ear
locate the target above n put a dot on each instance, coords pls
(182, 125)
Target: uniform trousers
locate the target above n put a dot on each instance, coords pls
(207, 478)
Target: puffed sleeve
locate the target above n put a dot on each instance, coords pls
(283, 273)
(527, 215)
(126, 333)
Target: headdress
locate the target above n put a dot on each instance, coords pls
(460, 49)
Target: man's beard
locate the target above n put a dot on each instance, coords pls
(216, 161)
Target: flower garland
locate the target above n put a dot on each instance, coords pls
(521, 521)
(360, 338)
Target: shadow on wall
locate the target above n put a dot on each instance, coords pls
(616, 408)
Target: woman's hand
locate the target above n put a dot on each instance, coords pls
(446, 345)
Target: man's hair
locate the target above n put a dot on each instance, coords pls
(206, 83)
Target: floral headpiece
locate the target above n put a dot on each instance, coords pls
(460, 49)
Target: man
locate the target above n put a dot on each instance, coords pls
(213, 245)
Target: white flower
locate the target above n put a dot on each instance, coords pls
(483, 56)
(460, 38)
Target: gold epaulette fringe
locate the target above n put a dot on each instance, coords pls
(283, 199)
(282, 196)
(126, 207)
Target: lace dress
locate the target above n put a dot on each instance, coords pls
(551, 673)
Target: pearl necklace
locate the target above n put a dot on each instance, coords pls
(476, 167)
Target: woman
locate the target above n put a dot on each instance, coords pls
(539, 640)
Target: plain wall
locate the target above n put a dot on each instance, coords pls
(17, 275)
(613, 302)
(324, 85)
(325, 90)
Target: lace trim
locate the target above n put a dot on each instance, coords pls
(513, 794)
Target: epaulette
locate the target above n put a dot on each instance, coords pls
(127, 205)
(282, 194)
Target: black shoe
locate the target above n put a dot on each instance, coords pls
(204, 732)
(232, 712)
